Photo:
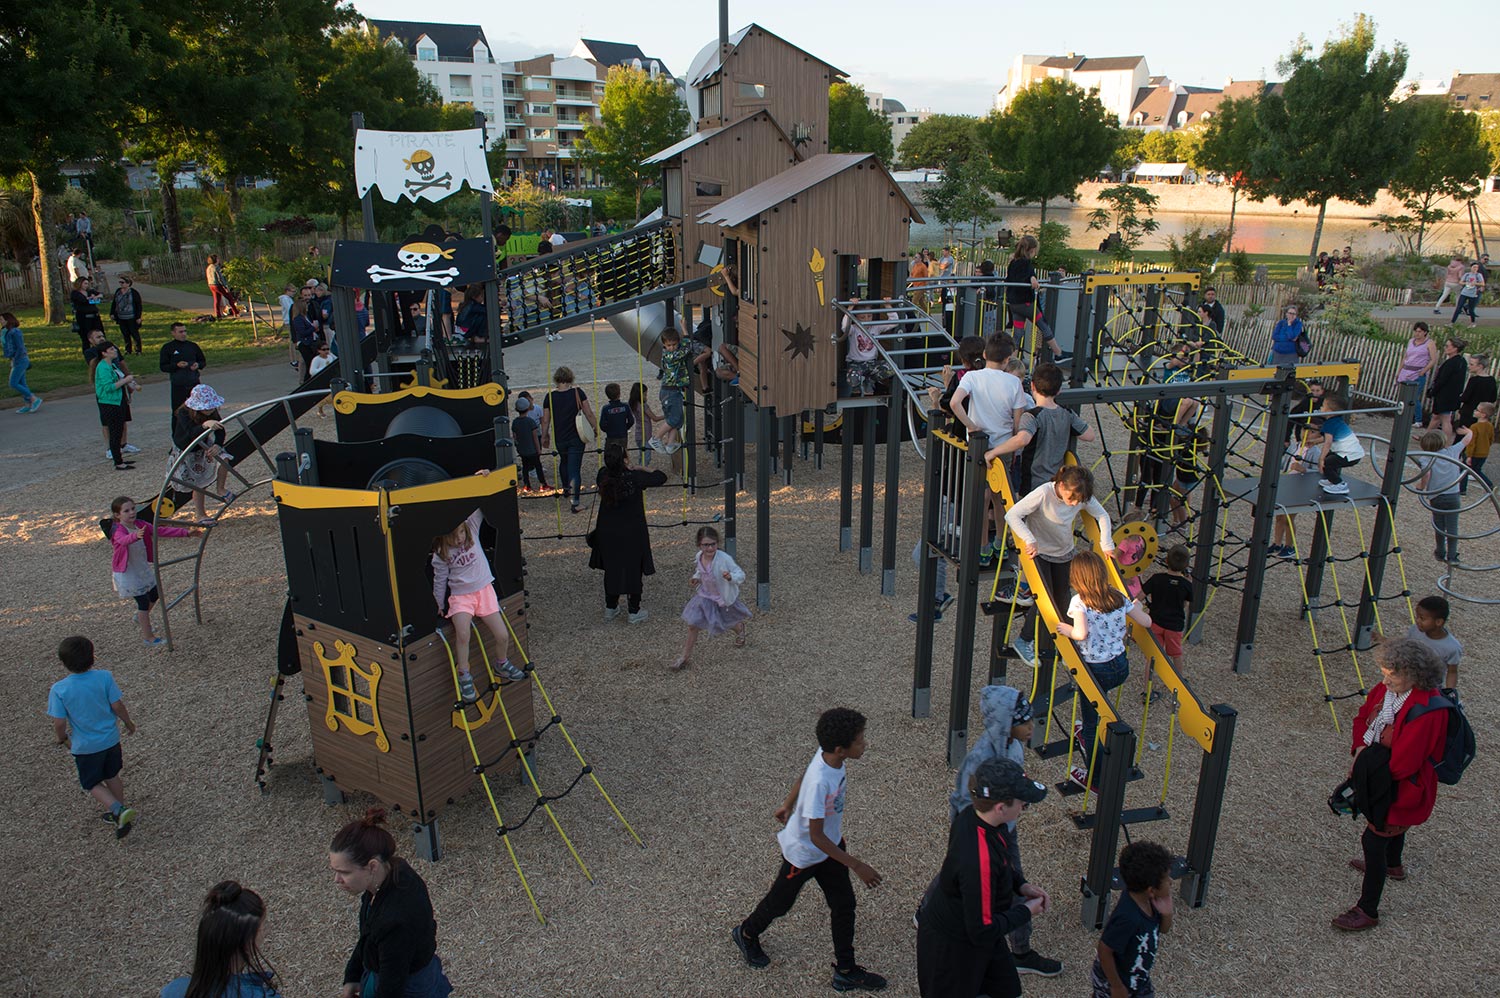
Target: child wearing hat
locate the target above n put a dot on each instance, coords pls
(527, 433)
(979, 896)
(1007, 716)
(205, 462)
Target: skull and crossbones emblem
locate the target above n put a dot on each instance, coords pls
(425, 165)
(416, 258)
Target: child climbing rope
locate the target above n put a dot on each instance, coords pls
(133, 560)
(716, 607)
(461, 573)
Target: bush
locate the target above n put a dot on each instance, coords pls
(1242, 267)
(1198, 249)
(1055, 253)
(297, 225)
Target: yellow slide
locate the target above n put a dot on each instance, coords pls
(1195, 721)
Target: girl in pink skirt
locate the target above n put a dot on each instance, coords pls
(461, 571)
(716, 607)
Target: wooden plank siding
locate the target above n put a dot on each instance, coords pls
(737, 158)
(857, 212)
(429, 764)
(796, 86)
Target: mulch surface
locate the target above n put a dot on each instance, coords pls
(697, 761)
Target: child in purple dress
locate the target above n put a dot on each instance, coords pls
(716, 607)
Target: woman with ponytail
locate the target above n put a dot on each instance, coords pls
(227, 961)
(396, 955)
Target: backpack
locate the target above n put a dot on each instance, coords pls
(1303, 345)
(1458, 746)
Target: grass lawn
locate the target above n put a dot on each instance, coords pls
(1281, 267)
(57, 362)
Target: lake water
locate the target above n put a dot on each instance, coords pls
(1254, 233)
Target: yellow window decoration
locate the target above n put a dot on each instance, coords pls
(352, 693)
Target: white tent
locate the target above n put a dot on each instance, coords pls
(1165, 171)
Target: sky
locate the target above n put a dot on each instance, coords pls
(952, 55)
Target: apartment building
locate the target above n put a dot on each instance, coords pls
(1116, 79)
(539, 105)
(902, 121)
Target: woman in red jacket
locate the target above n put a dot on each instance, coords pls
(1410, 675)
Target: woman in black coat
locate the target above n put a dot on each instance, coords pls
(1479, 388)
(126, 310)
(621, 540)
(85, 312)
(1448, 386)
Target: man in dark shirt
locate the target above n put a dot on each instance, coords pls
(1215, 309)
(979, 898)
(181, 360)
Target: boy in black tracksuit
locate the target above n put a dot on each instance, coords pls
(980, 898)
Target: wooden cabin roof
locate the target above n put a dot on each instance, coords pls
(673, 151)
(791, 182)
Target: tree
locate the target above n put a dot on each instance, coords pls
(1128, 152)
(1051, 138)
(638, 116)
(1161, 147)
(1449, 160)
(1489, 133)
(938, 139)
(963, 196)
(1128, 213)
(69, 68)
(1226, 146)
(853, 127)
(1336, 130)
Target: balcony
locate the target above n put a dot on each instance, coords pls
(575, 123)
(465, 92)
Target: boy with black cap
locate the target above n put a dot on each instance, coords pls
(1008, 725)
(978, 895)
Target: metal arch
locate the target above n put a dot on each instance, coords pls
(171, 482)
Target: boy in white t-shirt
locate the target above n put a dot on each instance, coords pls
(812, 848)
(991, 401)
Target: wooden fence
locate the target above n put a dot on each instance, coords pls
(22, 287)
(1379, 360)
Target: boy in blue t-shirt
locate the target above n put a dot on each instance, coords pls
(615, 419)
(88, 702)
(1341, 448)
(1127, 948)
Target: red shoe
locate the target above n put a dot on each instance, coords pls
(1391, 873)
(1355, 920)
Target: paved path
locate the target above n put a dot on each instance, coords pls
(167, 297)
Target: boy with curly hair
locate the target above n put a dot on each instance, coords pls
(1127, 949)
(813, 848)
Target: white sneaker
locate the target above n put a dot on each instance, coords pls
(1335, 488)
(109, 454)
(638, 616)
(131, 449)
(612, 612)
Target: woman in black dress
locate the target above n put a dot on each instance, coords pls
(622, 541)
(1479, 388)
(85, 312)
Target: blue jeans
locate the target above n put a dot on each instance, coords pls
(1445, 524)
(18, 379)
(671, 407)
(429, 982)
(1108, 675)
(570, 452)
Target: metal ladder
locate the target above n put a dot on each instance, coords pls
(915, 344)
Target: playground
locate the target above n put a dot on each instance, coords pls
(599, 823)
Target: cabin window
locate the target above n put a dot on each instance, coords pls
(672, 190)
(713, 103)
(752, 91)
(708, 189)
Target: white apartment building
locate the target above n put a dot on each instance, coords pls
(902, 121)
(1116, 79)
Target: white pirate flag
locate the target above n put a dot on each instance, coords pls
(413, 165)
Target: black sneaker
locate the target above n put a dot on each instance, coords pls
(857, 978)
(749, 948)
(1032, 962)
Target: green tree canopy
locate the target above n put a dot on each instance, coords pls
(1449, 160)
(1126, 211)
(963, 196)
(853, 127)
(1336, 130)
(1051, 138)
(638, 116)
(1161, 147)
(1489, 133)
(941, 137)
(1127, 152)
(68, 70)
(1226, 145)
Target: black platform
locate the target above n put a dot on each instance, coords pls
(1302, 494)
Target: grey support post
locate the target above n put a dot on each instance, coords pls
(971, 522)
(932, 498)
(764, 445)
(1265, 517)
(893, 423)
(866, 490)
(1381, 541)
(1213, 509)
